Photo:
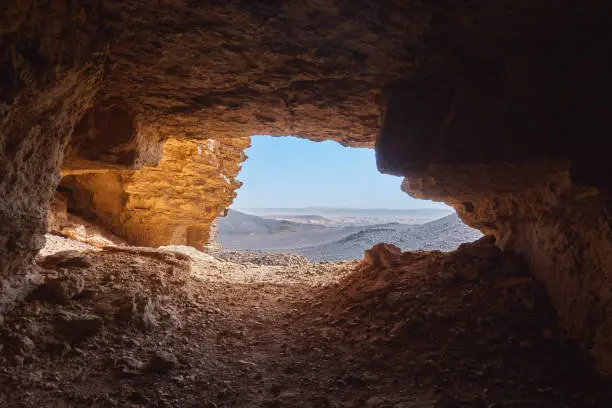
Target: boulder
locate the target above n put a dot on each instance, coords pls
(482, 248)
(78, 327)
(65, 288)
(386, 255)
(66, 259)
(139, 310)
(19, 344)
(161, 362)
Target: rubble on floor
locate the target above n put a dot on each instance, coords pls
(262, 258)
(171, 327)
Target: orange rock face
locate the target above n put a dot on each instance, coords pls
(173, 203)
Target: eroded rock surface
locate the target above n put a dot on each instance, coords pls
(50, 74)
(562, 230)
(173, 203)
(495, 107)
(513, 143)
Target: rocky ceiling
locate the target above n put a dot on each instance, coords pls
(499, 108)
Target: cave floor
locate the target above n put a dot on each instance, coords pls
(154, 328)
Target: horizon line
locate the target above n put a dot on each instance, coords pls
(338, 208)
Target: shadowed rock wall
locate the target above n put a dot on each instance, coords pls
(49, 76)
(510, 134)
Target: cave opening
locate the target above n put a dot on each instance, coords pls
(328, 202)
(283, 312)
(141, 111)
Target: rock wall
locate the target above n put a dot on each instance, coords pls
(509, 133)
(49, 76)
(562, 230)
(498, 108)
(111, 137)
(173, 203)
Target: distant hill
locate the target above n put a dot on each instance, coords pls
(344, 217)
(445, 234)
(236, 222)
(238, 230)
(333, 211)
(328, 243)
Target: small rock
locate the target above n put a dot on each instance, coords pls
(59, 348)
(77, 352)
(482, 248)
(98, 241)
(65, 288)
(139, 310)
(78, 327)
(399, 328)
(66, 259)
(386, 255)
(21, 345)
(371, 378)
(131, 362)
(161, 362)
(35, 377)
(139, 397)
(129, 366)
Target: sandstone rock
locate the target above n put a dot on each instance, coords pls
(80, 233)
(78, 327)
(171, 257)
(386, 255)
(483, 248)
(139, 310)
(66, 259)
(541, 220)
(161, 362)
(65, 288)
(173, 203)
(20, 344)
(128, 366)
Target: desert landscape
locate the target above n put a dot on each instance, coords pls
(336, 234)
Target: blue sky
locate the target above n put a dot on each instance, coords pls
(288, 172)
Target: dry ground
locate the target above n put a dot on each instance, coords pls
(137, 327)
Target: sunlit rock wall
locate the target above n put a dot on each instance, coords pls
(172, 203)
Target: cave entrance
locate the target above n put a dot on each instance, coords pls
(329, 203)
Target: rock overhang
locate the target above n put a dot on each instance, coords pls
(497, 108)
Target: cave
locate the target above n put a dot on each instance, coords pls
(330, 211)
(136, 115)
